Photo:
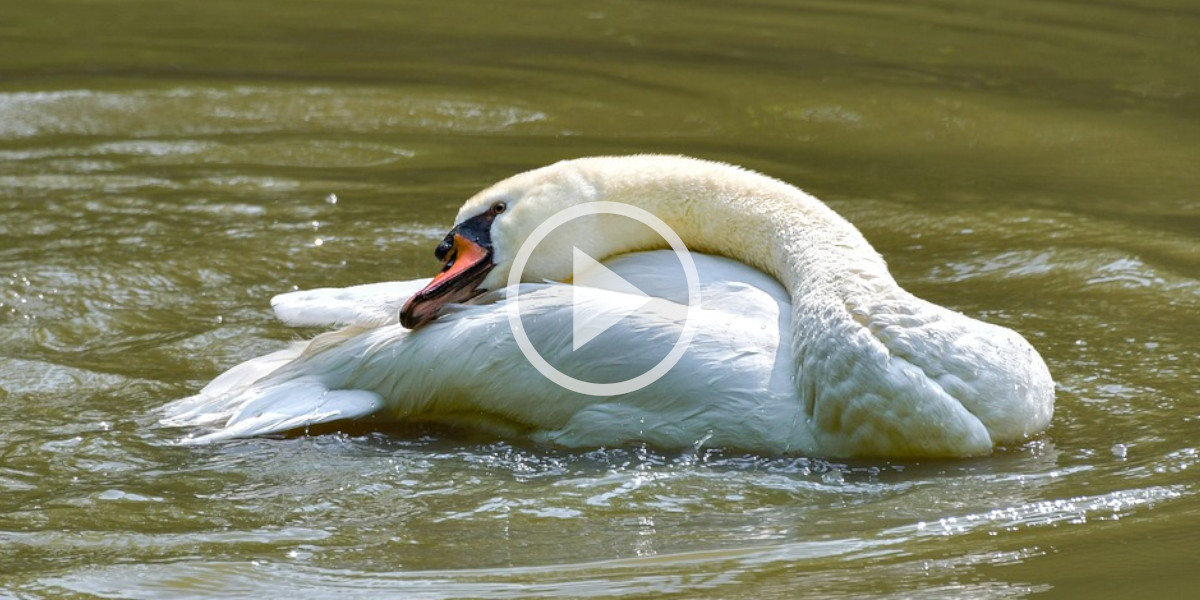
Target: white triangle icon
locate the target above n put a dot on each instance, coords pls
(587, 324)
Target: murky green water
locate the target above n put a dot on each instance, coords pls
(166, 167)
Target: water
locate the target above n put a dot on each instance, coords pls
(167, 167)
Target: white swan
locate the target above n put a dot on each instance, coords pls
(819, 353)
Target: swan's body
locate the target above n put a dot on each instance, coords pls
(820, 352)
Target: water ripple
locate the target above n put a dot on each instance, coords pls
(245, 110)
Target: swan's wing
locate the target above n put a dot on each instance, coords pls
(369, 305)
(466, 367)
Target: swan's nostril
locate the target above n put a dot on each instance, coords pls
(449, 262)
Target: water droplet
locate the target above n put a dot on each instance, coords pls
(331, 199)
(318, 242)
(1120, 451)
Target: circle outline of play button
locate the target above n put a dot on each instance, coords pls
(521, 259)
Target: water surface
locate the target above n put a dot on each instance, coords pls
(166, 167)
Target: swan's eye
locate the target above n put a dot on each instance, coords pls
(499, 207)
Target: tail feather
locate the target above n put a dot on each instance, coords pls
(245, 401)
(218, 400)
(294, 405)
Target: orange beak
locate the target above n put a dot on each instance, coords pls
(467, 258)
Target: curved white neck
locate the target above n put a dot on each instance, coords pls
(763, 222)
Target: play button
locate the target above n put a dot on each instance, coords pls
(589, 321)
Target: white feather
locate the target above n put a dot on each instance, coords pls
(368, 305)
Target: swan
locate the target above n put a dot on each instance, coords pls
(802, 342)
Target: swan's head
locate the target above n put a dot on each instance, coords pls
(477, 254)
